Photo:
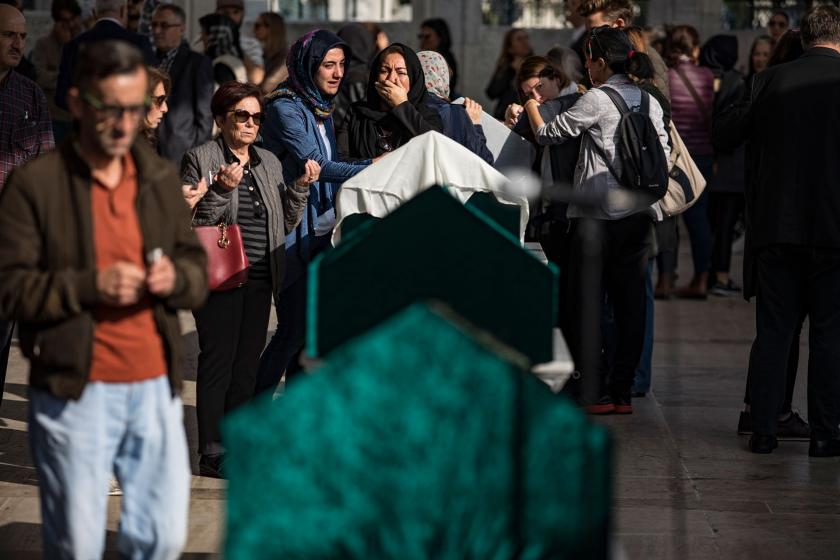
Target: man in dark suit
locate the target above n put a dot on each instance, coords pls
(189, 121)
(112, 16)
(792, 124)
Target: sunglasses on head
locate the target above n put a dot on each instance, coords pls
(241, 116)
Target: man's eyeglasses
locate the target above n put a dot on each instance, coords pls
(163, 25)
(159, 100)
(241, 116)
(115, 112)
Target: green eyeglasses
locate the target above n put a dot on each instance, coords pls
(115, 112)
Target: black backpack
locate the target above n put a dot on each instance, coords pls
(644, 166)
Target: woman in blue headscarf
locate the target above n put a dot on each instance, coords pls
(299, 127)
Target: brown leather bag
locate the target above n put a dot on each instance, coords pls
(227, 263)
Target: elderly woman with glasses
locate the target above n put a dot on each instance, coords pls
(246, 187)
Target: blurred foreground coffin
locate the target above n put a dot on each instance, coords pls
(427, 160)
(421, 439)
(433, 247)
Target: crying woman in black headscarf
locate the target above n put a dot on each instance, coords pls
(394, 110)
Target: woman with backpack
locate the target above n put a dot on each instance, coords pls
(625, 238)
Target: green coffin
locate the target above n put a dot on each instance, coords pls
(433, 247)
(422, 439)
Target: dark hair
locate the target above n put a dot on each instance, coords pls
(613, 9)
(158, 76)
(390, 49)
(820, 25)
(680, 41)
(505, 58)
(782, 13)
(540, 67)
(759, 39)
(103, 59)
(787, 49)
(615, 48)
(231, 93)
(439, 26)
(59, 6)
(175, 9)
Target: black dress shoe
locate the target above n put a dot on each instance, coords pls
(763, 444)
(211, 466)
(824, 448)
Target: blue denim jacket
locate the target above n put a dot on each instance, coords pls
(291, 133)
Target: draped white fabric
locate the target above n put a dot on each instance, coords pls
(427, 160)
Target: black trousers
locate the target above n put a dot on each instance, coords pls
(792, 367)
(232, 328)
(623, 247)
(791, 281)
(724, 211)
(667, 245)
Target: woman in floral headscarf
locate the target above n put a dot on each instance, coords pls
(462, 123)
(300, 127)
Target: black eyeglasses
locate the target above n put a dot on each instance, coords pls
(159, 100)
(112, 113)
(241, 116)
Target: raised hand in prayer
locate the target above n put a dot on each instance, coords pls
(194, 193)
(474, 110)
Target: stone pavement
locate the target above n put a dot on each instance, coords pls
(685, 485)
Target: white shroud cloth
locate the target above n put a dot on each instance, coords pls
(427, 160)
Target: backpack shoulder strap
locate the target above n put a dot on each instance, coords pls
(617, 100)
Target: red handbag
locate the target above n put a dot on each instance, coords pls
(227, 263)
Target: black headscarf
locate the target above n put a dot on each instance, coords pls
(417, 96)
(719, 54)
(402, 122)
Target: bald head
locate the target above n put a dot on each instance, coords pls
(12, 37)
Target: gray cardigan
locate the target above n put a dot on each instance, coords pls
(596, 119)
(285, 203)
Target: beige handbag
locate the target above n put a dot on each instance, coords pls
(685, 181)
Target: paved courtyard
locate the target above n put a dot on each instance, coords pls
(685, 485)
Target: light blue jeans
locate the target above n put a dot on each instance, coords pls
(136, 432)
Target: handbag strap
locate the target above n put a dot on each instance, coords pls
(704, 111)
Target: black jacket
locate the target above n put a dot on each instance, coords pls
(792, 122)
(104, 30)
(189, 122)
